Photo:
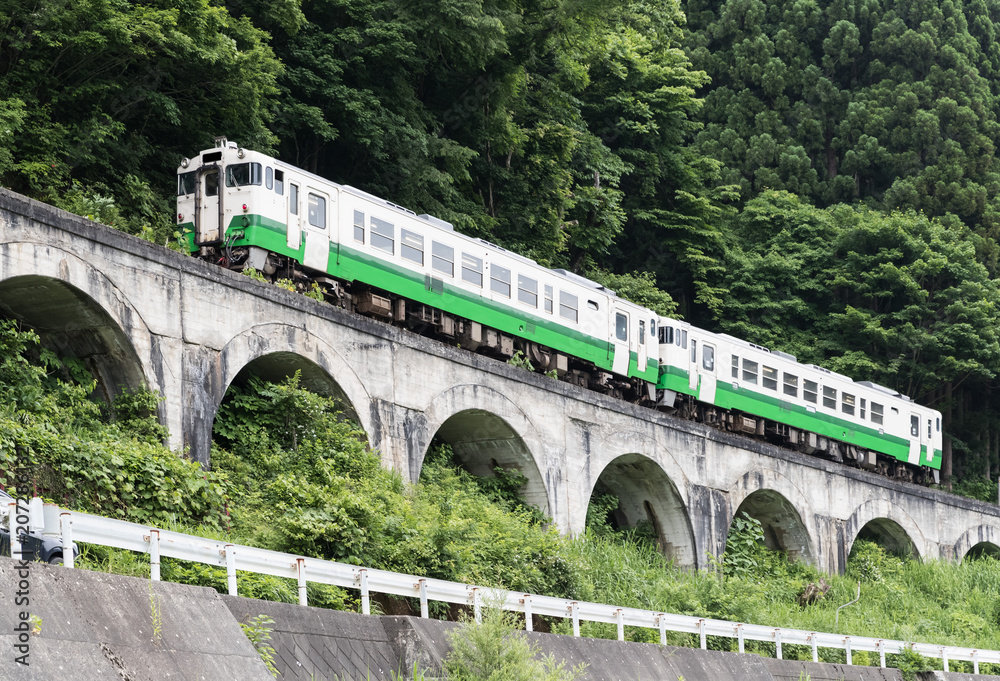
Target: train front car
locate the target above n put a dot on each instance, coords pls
(742, 387)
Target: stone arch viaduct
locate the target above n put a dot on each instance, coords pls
(141, 314)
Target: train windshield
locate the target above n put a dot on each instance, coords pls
(243, 174)
(186, 183)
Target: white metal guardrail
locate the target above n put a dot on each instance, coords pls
(83, 527)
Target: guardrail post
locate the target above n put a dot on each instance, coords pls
(154, 555)
(812, 638)
(701, 634)
(621, 624)
(944, 657)
(231, 569)
(739, 636)
(66, 523)
(15, 537)
(366, 601)
(975, 661)
(881, 653)
(300, 568)
(574, 611)
(847, 648)
(777, 642)
(422, 585)
(477, 605)
(528, 626)
(662, 621)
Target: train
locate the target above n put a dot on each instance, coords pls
(241, 209)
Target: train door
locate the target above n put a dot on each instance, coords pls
(620, 340)
(915, 439)
(693, 373)
(708, 381)
(318, 208)
(209, 206)
(641, 347)
(293, 219)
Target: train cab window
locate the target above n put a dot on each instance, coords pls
(569, 306)
(915, 425)
(863, 410)
(736, 367)
(708, 358)
(549, 306)
(938, 424)
(500, 280)
(472, 269)
(642, 332)
(790, 385)
(666, 335)
(877, 413)
(750, 371)
(694, 351)
(383, 235)
(621, 327)
(411, 246)
(769, 378)
(279, 182)
(293, 199)
(243, 174)
(317, 211)
(652, 328)
(212, 184)
(527, 290)
(443, 258)
(187, 183)
(829, 397)
(684, 338)
(269, 177)
(359, 226)
(847, 403)
(810, 391)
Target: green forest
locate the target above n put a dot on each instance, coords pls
(817, 176)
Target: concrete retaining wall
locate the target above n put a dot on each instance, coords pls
(99, 627)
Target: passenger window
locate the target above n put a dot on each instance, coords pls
(684, 339)
(847, 403)
(527, 290)
(548, 299)
(642, 332)
(500, 280)
(472, 269)
(810, 391)
(750, 372)
(269, 178)
(928, 429)
(383, 235)
(915, 426)
(411, 246)
(621, 327)
(443, 258)
(359, 226)
(829, 397)
(791, 385)
(863, 410)
(877, 413)
(769, 377)
(666, 335)
(677, 338)
(736, 367)
(569, 306)
(708, 358)
(293, 199)
(279, 182)
(317, 211)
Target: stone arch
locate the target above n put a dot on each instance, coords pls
(276, 350)
(782, 509)
(889, 526)
(978, 541)
(467, 417)
(79, 310)
(646, 491)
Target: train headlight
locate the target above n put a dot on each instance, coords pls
(185, 162)
(241, 153)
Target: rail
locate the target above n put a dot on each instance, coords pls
(157, 543)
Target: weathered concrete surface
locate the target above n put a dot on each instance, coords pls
(95, 626)
(142, 313)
